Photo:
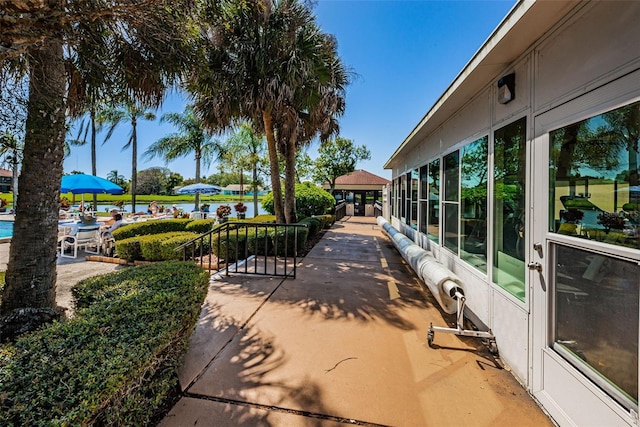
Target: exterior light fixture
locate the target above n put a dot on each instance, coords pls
(506, 88)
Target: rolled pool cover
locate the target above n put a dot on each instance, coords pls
(441, 281)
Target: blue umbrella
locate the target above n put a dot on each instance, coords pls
(201, 188)
(81, 184)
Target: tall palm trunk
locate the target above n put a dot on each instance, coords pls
(198, 160)
(274, 166)
(134, 164)
(94, 171)
(290, 181)
(31, 273)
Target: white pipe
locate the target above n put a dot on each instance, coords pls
(442, 282)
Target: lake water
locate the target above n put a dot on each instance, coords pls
(188, 207)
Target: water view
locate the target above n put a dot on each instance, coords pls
(188, 207)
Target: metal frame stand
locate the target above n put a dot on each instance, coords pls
(460, 330)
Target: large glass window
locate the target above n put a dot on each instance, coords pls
(414, 199)
(596, 318)
(403, 198)
(473, 203)
(595, 179)
(509, 184)
(433, 226)
(451, 200)
(407, 200)
(424, 198)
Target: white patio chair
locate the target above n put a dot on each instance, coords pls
(87, 238)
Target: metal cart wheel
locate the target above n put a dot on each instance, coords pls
(430, 335)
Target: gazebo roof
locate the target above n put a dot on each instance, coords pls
(361, 177)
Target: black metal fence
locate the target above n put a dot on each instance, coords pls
(266, 249)
(341, 210)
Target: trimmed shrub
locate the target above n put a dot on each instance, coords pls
(315, 224)
(284, 241)
(155, 247)
(201, 226)
(151, 227)
(310, 200)
(327, 220)
(114, 362)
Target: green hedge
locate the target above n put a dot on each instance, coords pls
(155, 226)
(310, 200)
(112, 364)
(155, 247)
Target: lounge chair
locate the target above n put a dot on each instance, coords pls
(87, 238)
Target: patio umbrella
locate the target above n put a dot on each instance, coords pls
(200, 187)
(81, 184)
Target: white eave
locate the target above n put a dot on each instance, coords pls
(523, 26)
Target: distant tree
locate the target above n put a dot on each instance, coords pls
(193, 137)
(224, 178)
(174, 180)
(132, 113)
(153, 180)
(336, 158)
(242, 151)
(116, 178)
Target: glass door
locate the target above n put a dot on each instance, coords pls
(586, 235)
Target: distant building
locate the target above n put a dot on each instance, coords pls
(360, 189)
(6, 181)
(245, 189)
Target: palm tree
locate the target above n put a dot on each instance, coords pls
(244, 148)
(146, 48)
(193, 138)
(116, 178)
(267, 61)
(129, 112)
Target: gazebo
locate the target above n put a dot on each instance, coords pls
(360, 190)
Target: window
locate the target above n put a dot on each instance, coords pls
(433, 224)
(473, 203)
(424, 199)
(509, 184)
(414, 199)
(403, 197)
(450, 202)
(595, 179)
(596, 318)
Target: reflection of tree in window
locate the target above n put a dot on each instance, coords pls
(509, 210)
(473, 203)
(594, 169)
(434, 201)
(509, 175)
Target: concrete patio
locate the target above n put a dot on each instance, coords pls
(343, 344)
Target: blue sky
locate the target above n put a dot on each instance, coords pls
(405, 54)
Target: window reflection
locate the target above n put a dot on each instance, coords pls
(595, 187)
(473, 203)
(509, 210)
(424, 197)
(434, 201)
(596, 322)
(450, 203)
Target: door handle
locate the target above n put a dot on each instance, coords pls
(535, 266)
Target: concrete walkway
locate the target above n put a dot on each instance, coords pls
(343, 344)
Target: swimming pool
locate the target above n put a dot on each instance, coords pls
(6, 229)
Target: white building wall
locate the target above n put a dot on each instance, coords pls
(597, 45)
